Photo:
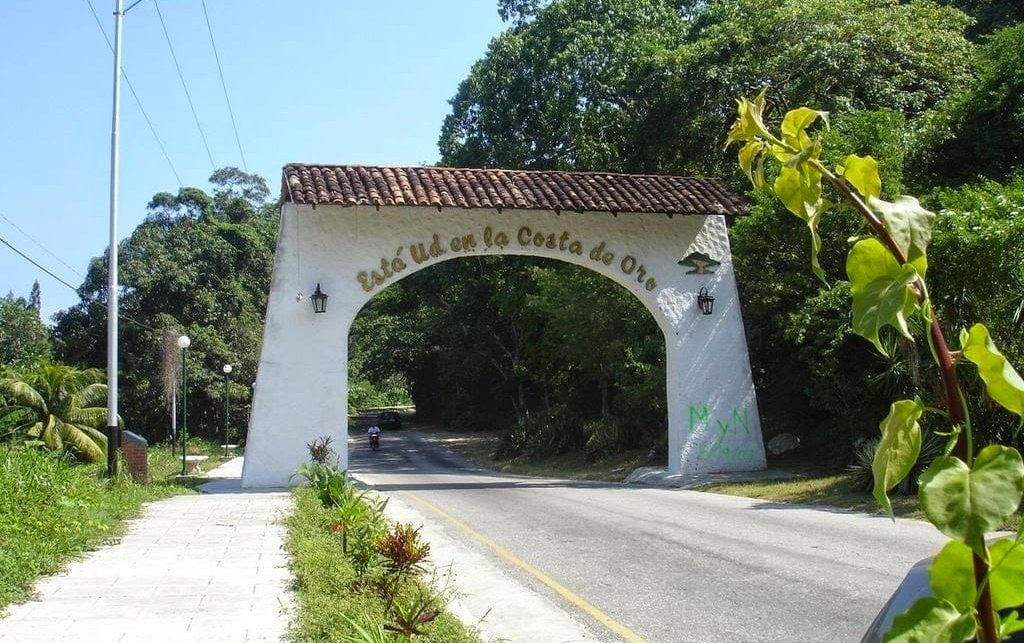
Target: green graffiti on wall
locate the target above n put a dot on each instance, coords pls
(726, 427)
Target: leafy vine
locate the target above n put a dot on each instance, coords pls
(978, 586)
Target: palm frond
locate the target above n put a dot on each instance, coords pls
(93, 395)
(86, 441)
(35, 430)
(50, 435)
(94, 416)
(23, 394)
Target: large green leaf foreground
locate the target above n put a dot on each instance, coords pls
(977, 586)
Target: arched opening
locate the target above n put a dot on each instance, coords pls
(552, 357)
(356, 231)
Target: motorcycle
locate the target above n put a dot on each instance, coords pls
(374, 441)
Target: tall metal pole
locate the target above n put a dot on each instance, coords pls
(227, 404)
(183, 343)
(113, 431)
(174, 420)
(184, 407)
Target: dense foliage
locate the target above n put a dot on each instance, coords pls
(641, 85)
(199, 265)
(24, 339)
(648, 85)
(59, 407)
(969, 490)
(490, 342)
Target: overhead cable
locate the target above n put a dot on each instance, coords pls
(224, 86)
(36, 264)
(41, 246)
(184, 85)
(64, 283)
(138, 101)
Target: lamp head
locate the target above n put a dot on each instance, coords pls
(319, 299)
(705, 302)
(227, 369)
(184, 341)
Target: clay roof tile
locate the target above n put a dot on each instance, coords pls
(516, 189)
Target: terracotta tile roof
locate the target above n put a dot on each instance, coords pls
(438, 187)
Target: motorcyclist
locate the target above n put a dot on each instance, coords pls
(374, 433)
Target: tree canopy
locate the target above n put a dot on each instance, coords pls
(24, 339)
(199, 265)
(648, 85)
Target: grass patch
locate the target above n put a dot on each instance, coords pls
(479, 447)
(52, 510)
(829, 490)
(835, 490)
(329, 593)
(165, 464)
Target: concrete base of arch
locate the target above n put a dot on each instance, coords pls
(301, 387)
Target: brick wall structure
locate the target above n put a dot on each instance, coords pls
(134, 448)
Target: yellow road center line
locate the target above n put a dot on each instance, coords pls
(621, 630)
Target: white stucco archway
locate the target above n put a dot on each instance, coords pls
(354, 251)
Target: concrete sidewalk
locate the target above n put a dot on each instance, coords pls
(207, 568)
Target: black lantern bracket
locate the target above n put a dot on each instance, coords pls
(705, 302)
(319, 300)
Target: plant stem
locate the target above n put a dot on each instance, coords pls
(987, 632)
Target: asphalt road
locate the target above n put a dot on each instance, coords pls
(670, 565)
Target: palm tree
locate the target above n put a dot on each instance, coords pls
(57, 405)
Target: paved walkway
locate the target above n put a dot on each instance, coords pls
(207, 568)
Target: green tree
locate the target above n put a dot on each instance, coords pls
(24, 340)
(57, 405)
(647, 85)
(980, 131)
(989, 15)
(198, 265)
(968, 491)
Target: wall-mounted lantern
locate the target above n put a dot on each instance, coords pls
(705, 302)
(319, 300)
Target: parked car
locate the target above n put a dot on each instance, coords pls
(389, 421)
(914, 586)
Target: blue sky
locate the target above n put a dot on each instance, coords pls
(310, 81)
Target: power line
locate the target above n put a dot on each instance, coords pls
(64, 283)
(138, 100)
(36, 264)
(224, 86)
(184, 85)
(41, 246)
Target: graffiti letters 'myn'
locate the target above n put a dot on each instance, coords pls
(731, 431)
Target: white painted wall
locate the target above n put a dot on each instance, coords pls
(302, 381)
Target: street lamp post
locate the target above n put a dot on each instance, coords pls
(227, 405)
(183, 343)
(113, 430)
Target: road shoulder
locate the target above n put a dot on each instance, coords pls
(486, 597)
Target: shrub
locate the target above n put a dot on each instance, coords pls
(320, 450)
(368, 589)
(603, 439)
(541, 435)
